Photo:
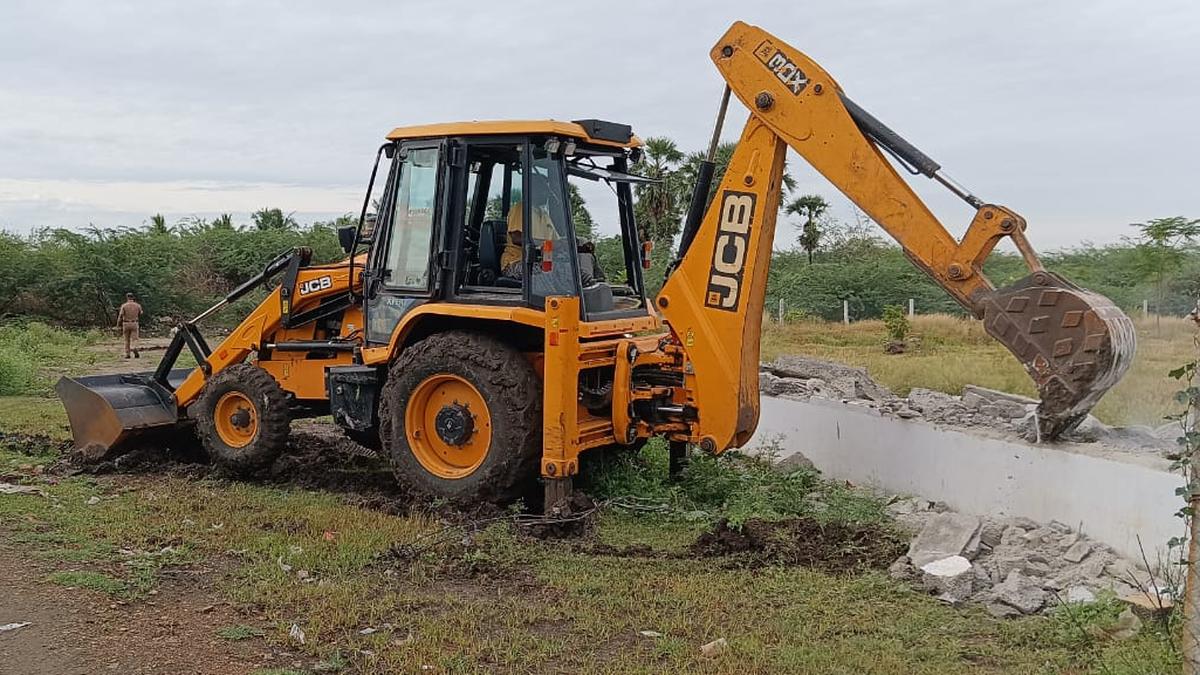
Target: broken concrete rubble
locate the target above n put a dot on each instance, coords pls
(978, 408)
(1077, 552)
(952, 579)
(945, 534)
(1013, 566)
(1022, 593)
(1079, 595)
(850, 381)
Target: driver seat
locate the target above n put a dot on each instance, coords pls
(493, 235)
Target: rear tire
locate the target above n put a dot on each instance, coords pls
(243, 419)
(461, 419)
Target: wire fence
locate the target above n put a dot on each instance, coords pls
(780, 311)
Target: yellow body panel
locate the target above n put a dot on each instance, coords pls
(714, 299)
(264, 325)
(504, 127)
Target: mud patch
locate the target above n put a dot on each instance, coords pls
(320, 457)
(33, 444)
(572, 517)
(836, 548)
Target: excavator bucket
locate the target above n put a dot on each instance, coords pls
(108, 412)
(1075, 344)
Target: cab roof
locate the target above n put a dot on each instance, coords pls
(598, 132)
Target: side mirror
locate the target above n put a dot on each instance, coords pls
(346, 237)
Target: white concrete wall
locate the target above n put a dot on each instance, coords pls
(1114, 497)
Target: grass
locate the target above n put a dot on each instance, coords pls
(34, 415)
(732, 487)
(96, 581)
(33, 354)
(490, 599)
(954, 352)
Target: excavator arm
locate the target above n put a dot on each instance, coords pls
(1075, 344)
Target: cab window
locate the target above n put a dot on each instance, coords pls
(547, 225)
(411, 234)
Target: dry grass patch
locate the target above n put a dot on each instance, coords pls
(955, 351)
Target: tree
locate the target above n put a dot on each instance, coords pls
(689, 172)
(1160, 248)
(657, 208)
(811, 208)
(580, 216)
(273, 219)
(223, 222)
(158, 225)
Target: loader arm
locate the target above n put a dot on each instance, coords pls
(1075, 344)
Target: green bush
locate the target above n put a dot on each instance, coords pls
(27, 349)
(895, 320)
(796, 315)
(18, 374)
(733, 486)
(80, 279)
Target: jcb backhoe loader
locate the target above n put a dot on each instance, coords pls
(468, 334)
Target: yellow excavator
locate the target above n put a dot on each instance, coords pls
(473, 336)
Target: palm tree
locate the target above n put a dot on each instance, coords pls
(658, 206)
(811, 208)
(581, 218)
(690, 168)
(158, 225)
(273, 219)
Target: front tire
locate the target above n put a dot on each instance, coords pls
(461, 418)
(243, 419)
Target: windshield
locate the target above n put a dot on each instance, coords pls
(602, 214)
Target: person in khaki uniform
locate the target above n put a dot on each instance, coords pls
(127, 321)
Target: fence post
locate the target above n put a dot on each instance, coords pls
(781, 310)
(1145, 308)
(911, 309)
(846, 312)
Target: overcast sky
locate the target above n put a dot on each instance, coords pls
(1079, 114)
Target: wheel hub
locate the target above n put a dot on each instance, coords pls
(236, 419)
(454, 424)
(448, 426)
(240, 419)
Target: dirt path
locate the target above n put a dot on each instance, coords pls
(79, 631)
(110, 360)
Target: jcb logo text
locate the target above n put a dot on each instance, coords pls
(784, 68)
(314, 285)
(730, 250)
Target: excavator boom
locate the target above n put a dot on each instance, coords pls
(1075, 344)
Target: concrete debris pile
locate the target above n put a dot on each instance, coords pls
(978, 409)
(1012, 566)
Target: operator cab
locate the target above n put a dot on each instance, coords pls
(495, 213)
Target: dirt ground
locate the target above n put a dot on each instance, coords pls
(80, 631)
(109, 357)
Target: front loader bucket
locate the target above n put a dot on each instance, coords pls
(1075, 344)
(108, 411)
